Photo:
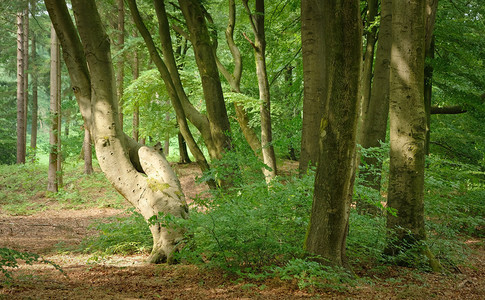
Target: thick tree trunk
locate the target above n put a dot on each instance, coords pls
(407, 129)
(342, 53)
(21, 141)
(314, 76)
(141, 174)
(53, 173)
(259, 46)
(375, 112)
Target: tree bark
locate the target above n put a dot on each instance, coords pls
(53, 173)
(259, 46)
(120, 70)
(448, 110)
(312, 30)
(87, 152)
(211, 84)
(136, 106)
(184, 154)
(407, 128)
(342, 55)
(139, 173)
(21, 139)
(35, 105)
(26, 70)
(375, 112)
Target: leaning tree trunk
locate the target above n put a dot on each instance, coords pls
(313, 78)
(407, 129)
(139, 173)
(342, 40)
(87, 152)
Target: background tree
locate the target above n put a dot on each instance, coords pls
(342, 55)
(21, 77)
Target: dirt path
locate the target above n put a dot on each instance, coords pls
(127, 277)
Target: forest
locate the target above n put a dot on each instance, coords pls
(200, 149)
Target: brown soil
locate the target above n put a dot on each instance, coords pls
(128, 277)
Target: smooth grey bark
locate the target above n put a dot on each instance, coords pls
(259, 46)
(342, 52)
(407, 129)
(139, 173)
(313, 51)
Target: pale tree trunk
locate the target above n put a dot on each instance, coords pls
(59, 173)
(342, 52)
(53, 173)
(259, 46)
(312, 29)
(120, 72)
(21, 141)
(407, 129)
(375, 112)
(87, 152)
(139, 173)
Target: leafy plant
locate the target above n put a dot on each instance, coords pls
(9, 260)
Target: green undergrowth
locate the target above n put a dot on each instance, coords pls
(23, 189)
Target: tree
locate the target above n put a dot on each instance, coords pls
(312, 31)
(54, 173)
(375, 111)
(342, 56)
(121, 61)
(35, 84)
(407, 129)
(141, 174)
(256, 20)
(21, 116)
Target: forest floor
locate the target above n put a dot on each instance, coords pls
(128, 277)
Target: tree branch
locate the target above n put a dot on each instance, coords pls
(448, 110)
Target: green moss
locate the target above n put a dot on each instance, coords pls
(157, 185)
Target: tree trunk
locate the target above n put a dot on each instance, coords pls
(312, 28)
(35, 106)
(407, 128)
(375, 112)
(139, 173)
(26, 70)
(184, 154)
(342, 55)
(21, 141)
(136, 108)
(120, 71)
(259, 46)
(87, 151)
(53, 174)
(211, 84)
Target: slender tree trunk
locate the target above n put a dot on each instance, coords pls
(211, 84)
(21, 142)
(139, 173)
(184, 154)
(407, 129)
(120, 71)
(35, 106)
(259, 46)
(166, 146)
(87, 152)
(52, 179)
(59, 173)
(136, 108)
(26, 69)
(342, 53)
(375, 112)
(314, 76)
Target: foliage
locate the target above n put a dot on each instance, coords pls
(120, 235)
(9, 260)
(8, 140)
